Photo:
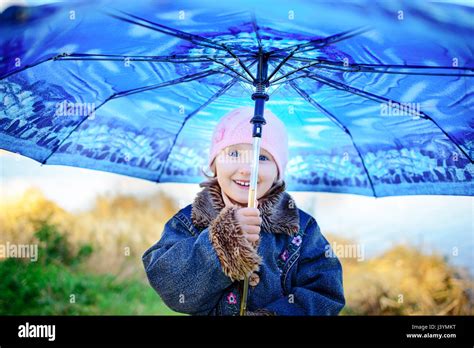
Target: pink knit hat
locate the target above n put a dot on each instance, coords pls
(235, 128)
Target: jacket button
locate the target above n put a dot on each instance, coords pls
(254, 279)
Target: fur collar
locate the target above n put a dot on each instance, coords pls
(277, 208)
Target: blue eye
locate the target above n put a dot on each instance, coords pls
(234, 153)
(263, 158)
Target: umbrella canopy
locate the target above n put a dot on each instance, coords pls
(377, 96)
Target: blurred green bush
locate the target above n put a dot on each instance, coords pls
(57, 284)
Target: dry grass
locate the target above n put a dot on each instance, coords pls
(119, 228)
(404, 281)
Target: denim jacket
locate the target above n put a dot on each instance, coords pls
(198, 264)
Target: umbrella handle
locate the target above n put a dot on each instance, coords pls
(252, 203)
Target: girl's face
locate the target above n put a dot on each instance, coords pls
(233, 167)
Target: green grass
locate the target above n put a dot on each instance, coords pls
(56, 285)
(28, 288)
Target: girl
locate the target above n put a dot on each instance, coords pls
(209, 246)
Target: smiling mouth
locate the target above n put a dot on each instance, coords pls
(242, 183)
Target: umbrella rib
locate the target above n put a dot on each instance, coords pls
(293, 78)
(359, 66)
(338, 37)
(168, 58)
(197, 60)
(202, 106)
(232, 69)
(257, 34)
(77, 56)
(380, 99)
(196, 39)
(247, 70)
(371, 70)
(275, 90)
(182, 34)
(382, 72)
(399, 66)
(165, 84)
(335, 120)
(280, 65)
(187, 78)
(31, 66)
(185, 36)
(293, 72)
(321, 42)
(121, 94)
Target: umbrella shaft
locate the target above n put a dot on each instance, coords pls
(252, 203)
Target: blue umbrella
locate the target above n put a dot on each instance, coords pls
(377, 96)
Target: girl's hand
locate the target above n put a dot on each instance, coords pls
(248, 218)
(250, 221)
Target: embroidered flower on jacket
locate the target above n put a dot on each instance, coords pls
(297, 240)
(285, 255)
(231, 299)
